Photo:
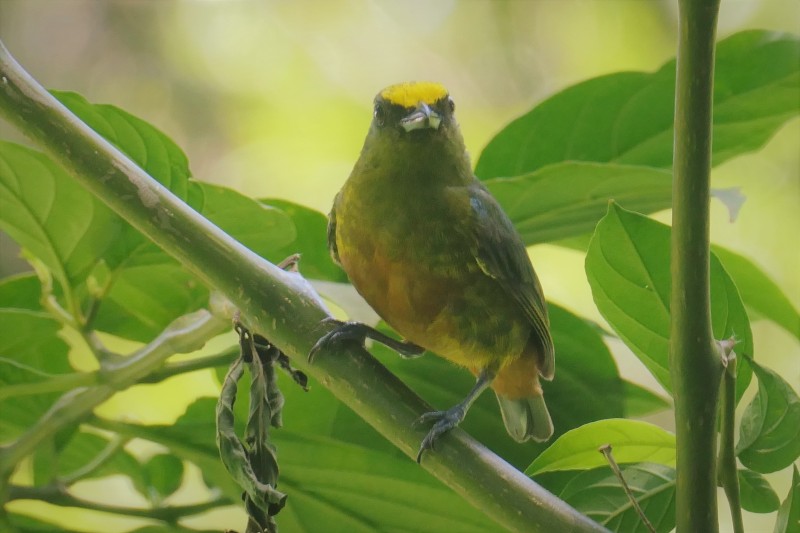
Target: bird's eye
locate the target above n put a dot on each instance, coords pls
(380, 114)
(451, 104)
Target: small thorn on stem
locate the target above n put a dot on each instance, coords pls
(726, 353)
(605, 449)
(290, 263)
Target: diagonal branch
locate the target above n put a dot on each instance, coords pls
(280, 305)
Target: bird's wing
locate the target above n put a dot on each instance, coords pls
(501, 255)
(334, 251)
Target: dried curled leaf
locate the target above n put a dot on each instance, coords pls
(252, 463)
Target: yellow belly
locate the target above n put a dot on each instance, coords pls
(458, 313)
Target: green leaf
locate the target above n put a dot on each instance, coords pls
(628, 268)
(22, 291)
(163, 474)
(83, 448)
(29, 524)
(76, 236)
(759, 292)
(150, 289)
(148, 147)
(627, 117)
(599, 494)
(788, 520)
(543, 209)
(329, 480)
(769, 434)
(44, 462)
(191, 438)
(756, 493)
(632, 442)
(311, 228)
(362, 489)
(588, 386)
(50, 215)
(144, 299)
(640, 401)
(261, 228)
(30, 351)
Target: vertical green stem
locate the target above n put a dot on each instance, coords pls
(695, 365)
(727, 474)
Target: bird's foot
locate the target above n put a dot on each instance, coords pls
(357, 332)
(444, 422)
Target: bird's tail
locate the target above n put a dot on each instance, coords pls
(526, 418)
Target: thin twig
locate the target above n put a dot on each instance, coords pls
(605, 449)
(726, 462)
(223, 358)
(58, 495)
(114, 445)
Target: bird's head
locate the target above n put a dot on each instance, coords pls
(416, 121)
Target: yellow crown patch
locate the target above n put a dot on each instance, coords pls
(411, 93)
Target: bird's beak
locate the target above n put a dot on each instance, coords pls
(422, 117)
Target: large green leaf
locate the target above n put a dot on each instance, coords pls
(22, 291)
(769, 434)
(329, 480)
(756, 493)
(144, 299)
(163, 474)
(599, 494)
(84, 244)
(369, 489)
(145, 145)
(567, 199)
(30, 351)
(632, 441)
(262, 228)
(77, 237)
(51, 216)
(628, 267)
(759, 292)
(640, 401)
(150, 289)
(627, 117)
(311, 242)
(762, 297)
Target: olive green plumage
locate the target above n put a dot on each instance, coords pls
(434, 254)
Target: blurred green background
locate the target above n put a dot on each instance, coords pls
(274, 99)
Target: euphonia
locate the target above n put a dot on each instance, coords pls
(431, 250)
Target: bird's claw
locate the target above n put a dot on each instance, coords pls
(358, 332)
(444, 422)
(341, 333)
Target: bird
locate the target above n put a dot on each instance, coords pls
(433, 253)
